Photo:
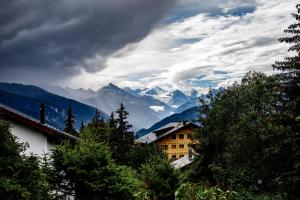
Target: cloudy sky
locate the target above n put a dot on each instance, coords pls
(140, 43)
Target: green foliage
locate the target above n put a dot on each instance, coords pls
(160, 178)
(190, 191)
(140, 153)
(20, 176)
(87, 171)
(244, 142)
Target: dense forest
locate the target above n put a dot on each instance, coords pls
(247, 148)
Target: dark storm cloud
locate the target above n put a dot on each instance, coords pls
(47, 37)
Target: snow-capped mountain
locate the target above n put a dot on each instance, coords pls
(178, 98)
(145, 106)
(173, 98)
(194, 93)
(143, 110)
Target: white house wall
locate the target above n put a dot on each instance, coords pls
(36, 140)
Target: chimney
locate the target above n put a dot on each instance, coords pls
(42, 113)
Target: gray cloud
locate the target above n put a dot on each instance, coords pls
(54, 39)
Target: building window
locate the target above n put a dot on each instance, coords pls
(164, 147)
(174, 146)
(181, 146)
(189, 136)
(173, 136)
(181, 136)
(173, 156)
(181, 156)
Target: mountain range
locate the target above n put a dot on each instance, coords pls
(149, 108)
(145, 106)
(27, 99)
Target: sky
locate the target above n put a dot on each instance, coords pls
(180, 44)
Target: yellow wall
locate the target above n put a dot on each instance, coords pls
(168, 141)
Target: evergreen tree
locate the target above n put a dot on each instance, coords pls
(122, 138)
(20, 176)
(96, 119)
(290, 67)
(69, 122)
(290, 78)
(82, 126)
(99, 128)
(112, 122)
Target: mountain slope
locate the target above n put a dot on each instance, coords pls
(178, 98)
(143, 111)
(27, 99)
(187, 115)
(76, 94)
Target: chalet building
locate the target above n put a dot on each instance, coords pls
(39, 136)
(174, 139)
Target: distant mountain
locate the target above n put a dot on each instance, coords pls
(190, 104)
(187, 115)
(27, 99)
(171, 98)
(194, 94)
(155, 91)
(77, 94)
(195, 101)
(134, 92)
(188, 111)
(143, 110)
(178, 98)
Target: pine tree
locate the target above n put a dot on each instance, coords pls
(121, 138)
(20, 176)
(112, 122)
(290, 78)
(69, 122)
(82, 126)
(290, 67)
(97, 116)
(97, 121)
(124, 126)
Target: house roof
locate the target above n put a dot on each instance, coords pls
(164, 131)
(182, 162)
(12, 114)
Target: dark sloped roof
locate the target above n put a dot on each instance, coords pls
(164, 131)
(12, 114)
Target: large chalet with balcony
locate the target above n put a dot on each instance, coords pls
(174, 139)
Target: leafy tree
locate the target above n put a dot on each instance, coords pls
(160, 178)
(121, 138)
(88, 172)
(69, 123)
(20, 176)
(140, 153)
(243, 141)
(189, 191)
